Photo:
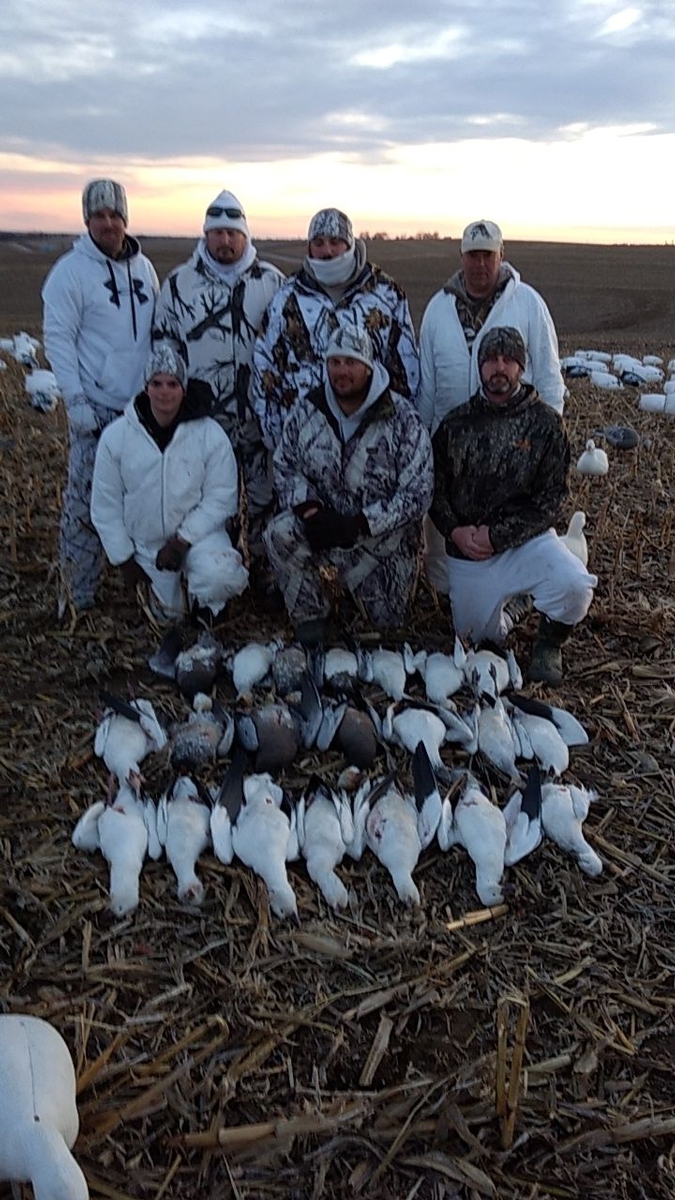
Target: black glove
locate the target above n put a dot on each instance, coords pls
(132, 573)
(328, 528)
(171, 555)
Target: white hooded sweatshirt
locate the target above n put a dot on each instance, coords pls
(98, 315)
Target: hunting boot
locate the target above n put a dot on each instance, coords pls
(546, 664)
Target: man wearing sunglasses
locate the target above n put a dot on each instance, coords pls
(210, 308)
(335, 284)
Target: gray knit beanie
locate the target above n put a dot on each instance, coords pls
(164, 361)
(104, 193)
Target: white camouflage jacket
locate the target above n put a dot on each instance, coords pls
(289, 351)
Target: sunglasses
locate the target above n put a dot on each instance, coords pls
(235, 214)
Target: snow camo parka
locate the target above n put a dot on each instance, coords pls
(213, 326)
(384, 470)
(289, 353)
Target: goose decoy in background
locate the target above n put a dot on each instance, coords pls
(271, 734)
(606, 381)
(564, 809)
(128, 732)
(25, 349)
(325, 827)
(522, 816)
(253, 819)
(39, 1121)
(653, 402)
(593, 461)
(198, 667)
(575, 539)
(43, 390)
(621, 437)
(183, 829)
(124, 830)
(207, 735)
(252, 665)
(470, 819)
(386, 668)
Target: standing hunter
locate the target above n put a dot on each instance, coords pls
(210, 308)
(99, 301)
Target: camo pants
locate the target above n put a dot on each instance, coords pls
(256, 480)
(379, 572)
(81, 554)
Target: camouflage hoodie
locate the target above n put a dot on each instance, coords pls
(504, 466)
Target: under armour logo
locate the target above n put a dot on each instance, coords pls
(114, 292)
(139, 293)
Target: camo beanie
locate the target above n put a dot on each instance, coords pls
(504, 340)
(104, 193)
(331, 223)
(164, 361)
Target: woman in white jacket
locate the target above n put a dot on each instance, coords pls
(165, 485)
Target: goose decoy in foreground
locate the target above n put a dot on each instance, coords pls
(183, 829)
(253, 819)
(325, 828)
(564, 809)
(593, 461)
(39, 1122)
(124, 830)
(575, 539)
(522, 815)
(207, 735)
(128, 732)
(470, 819)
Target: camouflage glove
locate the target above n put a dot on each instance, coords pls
(171, 555)
(81, 417)
(328, 528)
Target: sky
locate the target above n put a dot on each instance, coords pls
(555, 118)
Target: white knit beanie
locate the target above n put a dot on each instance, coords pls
(225, 212)
(164, 361)
(331, 223)
(104, 193)
(348, 341)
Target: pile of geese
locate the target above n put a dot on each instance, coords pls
(499, 735)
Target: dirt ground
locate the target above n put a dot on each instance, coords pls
(222, 1053)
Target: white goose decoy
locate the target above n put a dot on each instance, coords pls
(325, 827)
(43, 390)
(471, 820)
(183, 829)
(128, 732)
(391, 833)
(444, 674)
(39, 1122)
(386, 668)
(538, 738)
(251, 819)
(606, 381)
(575, 539)
(522, 815)
(252, 665)
(25, 348)
(564, 809)
(495, 737)
(593, 461)
(124, 831)
(570, 729)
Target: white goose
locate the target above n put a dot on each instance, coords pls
(128, 732)
(325, 828)
(593, 461)
(124, 831)
(183, 822)
(38, 1114)
(472, 821)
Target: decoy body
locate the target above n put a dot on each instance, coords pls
(575, 539)
(469, 819)
(38, 1114)
(564, 809)
(593, 461)
(183, 829)
(124, 831)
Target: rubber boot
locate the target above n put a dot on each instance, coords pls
(546, 665)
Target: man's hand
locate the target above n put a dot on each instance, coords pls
(81, 417)
(328, 528)
(171, 555)
(473, 541)
(132, 573)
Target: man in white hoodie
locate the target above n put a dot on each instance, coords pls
(210, 309)
(99, 302)
(353, 473)
(485, 293)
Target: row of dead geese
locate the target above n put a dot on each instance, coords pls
(252, 817)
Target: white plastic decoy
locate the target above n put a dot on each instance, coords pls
(575, 538)
(593, 461)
